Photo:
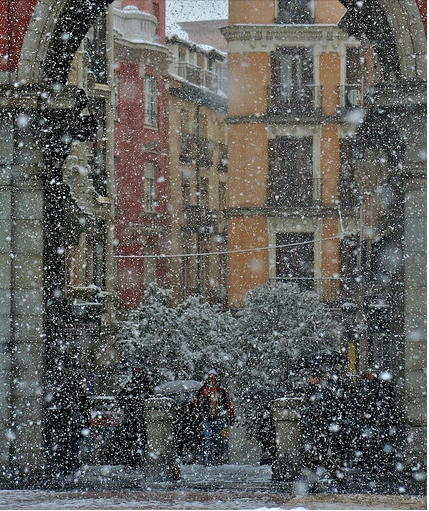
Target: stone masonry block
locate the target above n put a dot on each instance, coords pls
(28, 271)
(415, 356)
(5, 273)
(29, 237)
(5, 236)
(415, 238)
(29, 302)
(5, 204)
(29, 204)
(4, 301)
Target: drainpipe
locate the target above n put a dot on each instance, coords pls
(198, 194)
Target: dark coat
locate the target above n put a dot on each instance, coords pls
(69, 420)
(323, 413)
(213, 405)
(132, 435)
(379, 432)
(131, 399)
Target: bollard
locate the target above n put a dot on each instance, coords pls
(286, 416)
(160, 463)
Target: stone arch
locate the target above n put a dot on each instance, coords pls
(411, 43)
(53, 37)
(396, 30)
(37, 39)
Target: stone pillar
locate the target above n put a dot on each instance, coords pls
(21, 298)
(6, 160)
(161, 463)
(286, 415)
(30, 284)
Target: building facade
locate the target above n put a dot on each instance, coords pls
(141, 60)
(288, 196)
(317, 190)
(197, 168)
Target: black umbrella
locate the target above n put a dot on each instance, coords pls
(322, 359)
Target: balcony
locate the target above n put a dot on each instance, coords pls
(205, 221)
(187, 148)
(294, 12)
(306, 193)
(329, 289)
(222, 165)
(305, 100)
(213, 82)
(190, 72)
(205, 153)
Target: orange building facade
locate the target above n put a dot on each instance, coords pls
(287, 193)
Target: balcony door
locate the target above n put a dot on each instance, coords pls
(295, 258)
(290, 180)
(292, 79)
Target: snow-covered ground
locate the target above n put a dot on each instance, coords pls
(19, 499)
(241, 487)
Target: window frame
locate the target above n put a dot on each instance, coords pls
(149, 185)
(150, 103)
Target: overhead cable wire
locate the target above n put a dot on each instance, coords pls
(238, 251)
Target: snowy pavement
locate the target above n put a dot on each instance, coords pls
(241, 487)
(221, 500)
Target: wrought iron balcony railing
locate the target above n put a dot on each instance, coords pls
(329, 289)
(285, 98)
(350, 95)
(305, 193)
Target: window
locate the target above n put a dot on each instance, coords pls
(96, 50)
(97, 148)
(186, 190)
(347, 187)
(294, 11)
(292, 81)
(290, 179)
(116, 91)
(295, 258)
(150, 101)
(204, 193)
(149, 186)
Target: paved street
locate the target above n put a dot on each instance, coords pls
(188, 499)
(241, 487)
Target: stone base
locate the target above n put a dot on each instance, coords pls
(286, 467)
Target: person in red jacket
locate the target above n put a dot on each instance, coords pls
(214, 409)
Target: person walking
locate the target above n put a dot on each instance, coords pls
(322, 421)
(131, 399)
(379, 434)
(214, 409)
(70, 421)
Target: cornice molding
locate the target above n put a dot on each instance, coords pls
(266, 38)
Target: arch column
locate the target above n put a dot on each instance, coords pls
(37, 129)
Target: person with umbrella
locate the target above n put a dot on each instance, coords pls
(213, 408)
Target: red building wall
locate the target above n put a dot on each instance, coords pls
(15, 17)
(136, 230)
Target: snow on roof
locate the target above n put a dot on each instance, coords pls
(202, 48)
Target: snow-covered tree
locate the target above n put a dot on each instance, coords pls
(150, 335)
(253, 350)
(278, 324)
(182, 342)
